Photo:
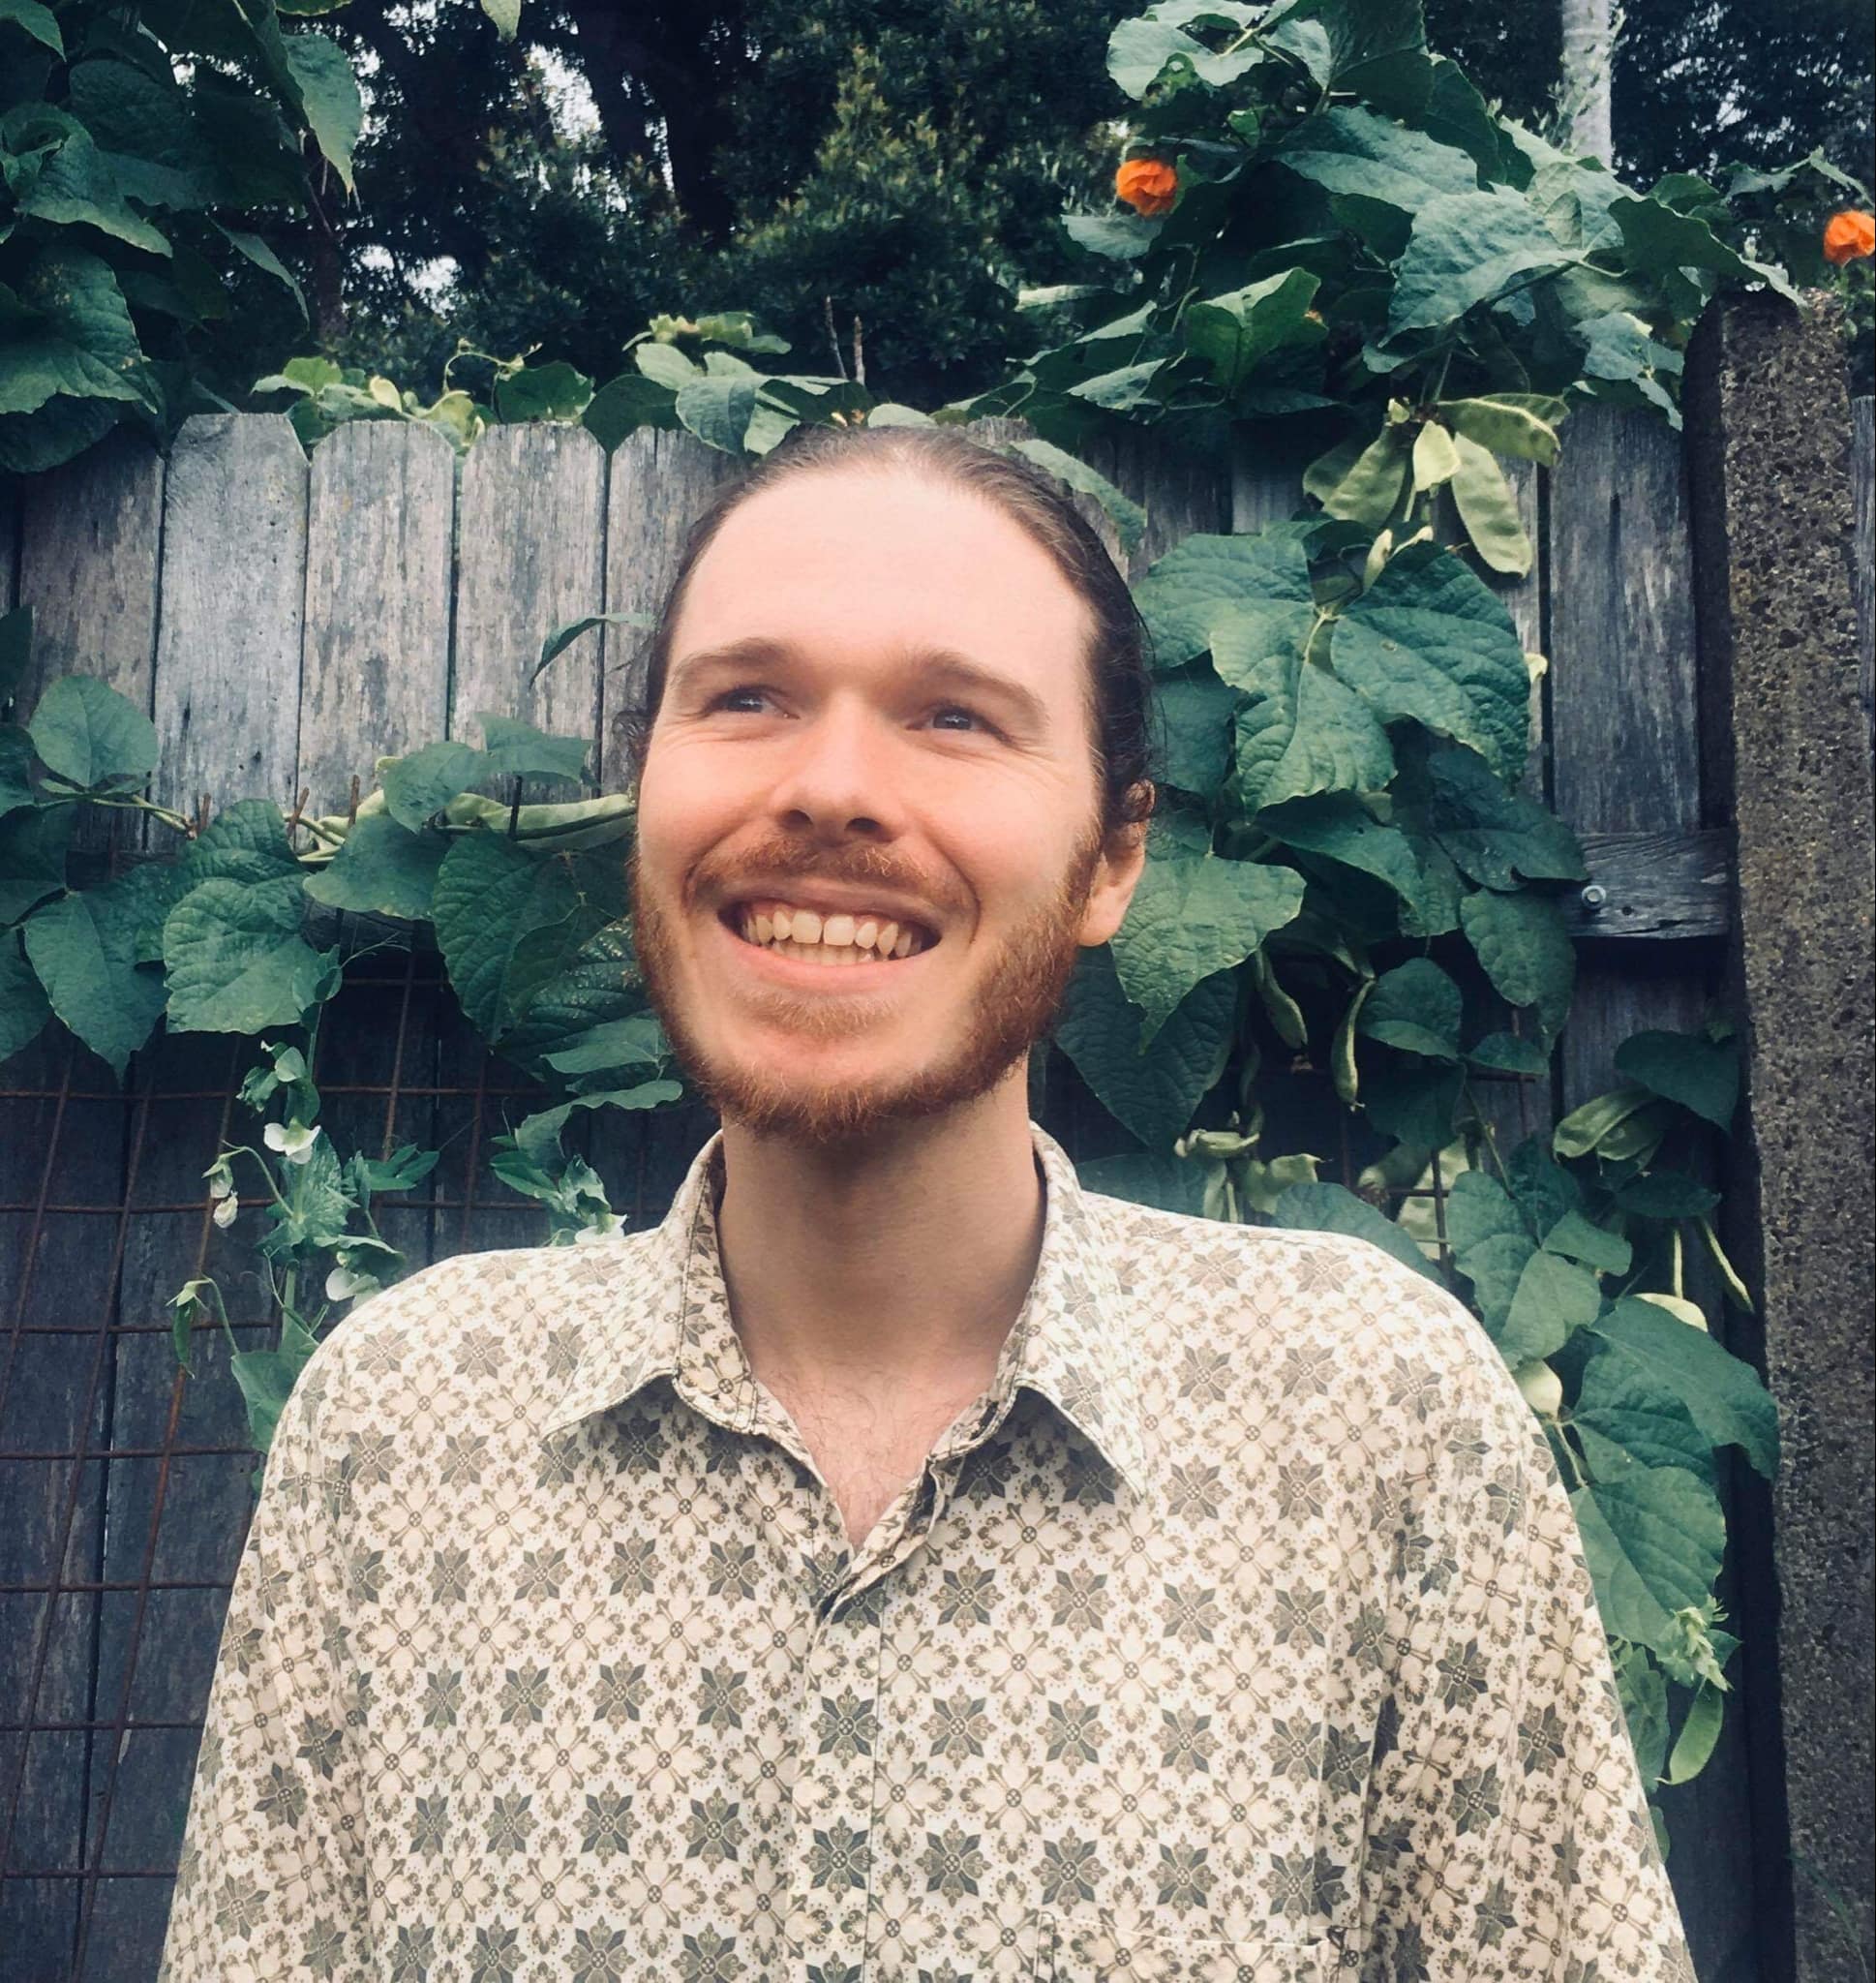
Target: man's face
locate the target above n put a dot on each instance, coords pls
(875, 725)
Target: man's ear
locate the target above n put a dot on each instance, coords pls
(1117, 873)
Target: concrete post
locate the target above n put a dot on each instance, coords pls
(1788, 770)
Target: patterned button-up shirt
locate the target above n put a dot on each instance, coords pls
(1239, 1633)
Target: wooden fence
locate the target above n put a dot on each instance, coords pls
(285, 622)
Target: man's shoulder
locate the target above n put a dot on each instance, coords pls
(499, 1323)
(1259, 1308)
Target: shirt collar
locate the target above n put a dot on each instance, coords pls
(666, 1314)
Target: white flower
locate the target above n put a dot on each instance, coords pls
(220, 1178)
(343, 1283)
(226, 1211)
(293, 1139)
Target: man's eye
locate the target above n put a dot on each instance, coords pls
(746, 701)
(954, 717)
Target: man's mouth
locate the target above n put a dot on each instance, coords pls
(818, 936)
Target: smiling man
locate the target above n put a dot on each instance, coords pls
(901, 1564)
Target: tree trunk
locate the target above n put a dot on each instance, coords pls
(1588, 44)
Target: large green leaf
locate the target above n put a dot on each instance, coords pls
(512, 748)
(83, 946)
(89, 735)
(1626, 1418)
(1168, 1183)
(1700, 1074)
(1525, 949)
(1207, 579)
(1195, 715)
(418, 786)
(507, 923)
(1656, 239)
(23, 1005)
(32, 857)
(1416, 1008)
(1381, 172)
(143, 126)
(1466, 249)
(598, 986)
(236, 960)
(1339, 827)
(1653, 1538)
(1478, 1209)
(718, 409)
(72, 335)
(1333, 1208)
(1377, 49)
(1495, 835)
(382, 868)
(36, 20)
(1553, 1299)
(1488, 510)
(74, 186)
(1193, 914)
(1722, 1392)
(1430, 640)
(1152, 1089)
(1302, 731)
(328, 94)
(1235, 333)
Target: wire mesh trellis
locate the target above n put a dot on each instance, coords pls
(129, 1484)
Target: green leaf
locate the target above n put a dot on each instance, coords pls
(1120, 237)
(1412, 1102)
(88, 735)
(1332, 1209)
(1495, 834)
(328, 94)
(236, 960)
(598, 986)
(1378, 480)
(24, 1007)
(1508, 1053)
(1553, 1299)
(1302, 731)
(507, 922)
(1416, 1008)
(1525, 949)
(1644, 1692)
(1337, 826)
(1722, 1393)
(1193, 914)
(1466, 249)
(1235, 332)
(1430, 640)
(514, 749)
(1435, 458)
(263, 258)
(546, 1124)
(1377, 49)
(1653, 1538)
(1688, 1068)
(36, 20)
(1479, 1208)
(1524, 424)
(1195, 715)
(1153, 1089)
(718, 409)
(626, 403)
(1353, 152)
(1488, 509)
(1120, 390)
(74, 336)
(636, 1041)
(76, 186)
(555, 391)
(1209, 579)
(1656, 239)
(32, 858)
(561, 638)
(382, 868)
(1576, 1238)
(1627, 1418)
(83, 946)
(507, 15)
(1665, 1195)
(417, 787)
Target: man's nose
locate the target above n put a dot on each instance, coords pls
(840, 780)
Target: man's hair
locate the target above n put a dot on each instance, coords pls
(1119, 676)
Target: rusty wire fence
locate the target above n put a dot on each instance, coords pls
(129, 1483)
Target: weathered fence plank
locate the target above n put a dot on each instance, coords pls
(659, 483)
(228, 669)
(89, 539)
(376, 676)
(530, 557)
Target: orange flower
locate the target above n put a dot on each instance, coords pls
(1850, 236)
(1147, 185)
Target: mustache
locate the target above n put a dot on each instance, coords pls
(783, 857)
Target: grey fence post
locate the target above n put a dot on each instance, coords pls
(1790, 772)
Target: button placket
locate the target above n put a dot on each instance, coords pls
(836, 1750)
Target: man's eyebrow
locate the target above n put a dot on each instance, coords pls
(947, 665)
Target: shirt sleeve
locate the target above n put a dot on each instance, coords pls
(270, 1885)
(1507, 1833)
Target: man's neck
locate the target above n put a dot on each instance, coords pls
(888, 1268)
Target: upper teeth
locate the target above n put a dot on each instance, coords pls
(838, 939)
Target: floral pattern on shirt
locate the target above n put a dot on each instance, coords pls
(1240, 1631)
